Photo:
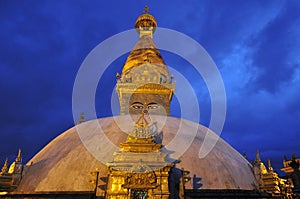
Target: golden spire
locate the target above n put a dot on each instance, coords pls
(19, 157)
(270, 168)
(145, 72)
(146, 9)
(145, 50)
(5, 166)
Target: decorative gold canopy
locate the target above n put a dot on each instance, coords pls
(145, 21)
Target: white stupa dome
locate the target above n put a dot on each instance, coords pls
(65, 163)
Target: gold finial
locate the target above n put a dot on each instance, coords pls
(5, 166)
(81, 120)
(145, 23)
(146, 9)
(19, 157)
(269, 165)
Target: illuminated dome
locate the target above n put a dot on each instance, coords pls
(65, 163)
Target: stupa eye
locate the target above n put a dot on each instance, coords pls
(137, 106)
(153, 106)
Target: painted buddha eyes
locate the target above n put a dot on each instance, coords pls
(137, 106)
(152, 105)
(140, 106)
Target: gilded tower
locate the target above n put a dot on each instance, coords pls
(141, 168)
(145, 82)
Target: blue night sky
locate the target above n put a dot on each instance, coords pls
(255, 44)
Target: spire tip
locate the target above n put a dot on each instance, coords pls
(19, 157)
(146, 9)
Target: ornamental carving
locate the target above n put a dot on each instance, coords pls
(140, 180)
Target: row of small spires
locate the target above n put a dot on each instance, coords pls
(5, 165)
(292, 164)
(257, 156)
(19, 156)
(258, 160)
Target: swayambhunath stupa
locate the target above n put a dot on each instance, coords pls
(142, 163)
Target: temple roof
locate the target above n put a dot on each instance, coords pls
(65, 163)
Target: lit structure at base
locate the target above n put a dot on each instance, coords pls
(292, 169)
(269, 181)
(140, 169)
(10, 177)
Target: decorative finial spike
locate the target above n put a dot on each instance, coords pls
(146, 9)
(5, 167)
(81, 120)
(269, 165)
(19, 157)
(145, 24)
(258, 156)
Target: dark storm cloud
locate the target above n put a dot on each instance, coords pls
(274, 47)
(257, 51)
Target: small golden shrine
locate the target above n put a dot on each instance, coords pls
(269, 181)
(11, 176)
(140, 169)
